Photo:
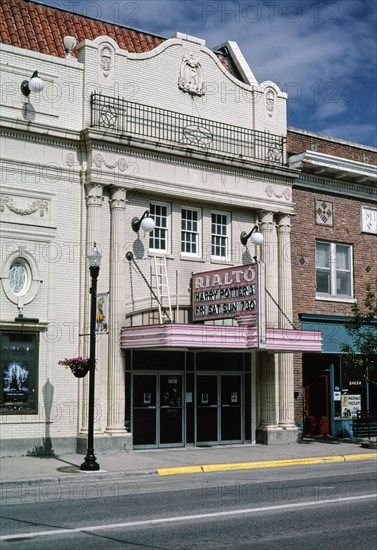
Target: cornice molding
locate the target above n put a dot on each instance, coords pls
(68, 142)
(282, 175)
(330, 185)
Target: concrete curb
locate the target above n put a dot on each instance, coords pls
(265, 464)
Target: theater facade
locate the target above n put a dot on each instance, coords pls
(194, 334)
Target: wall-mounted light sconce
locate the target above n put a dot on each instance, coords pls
(35, 84)
(145, 222)
(255, 235)
(69, 45)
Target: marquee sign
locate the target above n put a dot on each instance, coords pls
(226, 293)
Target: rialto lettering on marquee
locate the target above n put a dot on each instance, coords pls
(228, 278)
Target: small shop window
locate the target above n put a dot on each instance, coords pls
(19, 372)
(333, 270)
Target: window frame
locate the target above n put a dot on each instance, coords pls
(227, 256)
(151, 235)
(333, 271)
(198, 233)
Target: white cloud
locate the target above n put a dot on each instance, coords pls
(359, 133)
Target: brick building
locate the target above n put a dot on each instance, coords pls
(334, 257)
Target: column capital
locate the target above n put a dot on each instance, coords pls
(94, 194)
(284, 223)
(266, 220)
(118, 197)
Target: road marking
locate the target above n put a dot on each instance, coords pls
(262, 464)
(177, 519)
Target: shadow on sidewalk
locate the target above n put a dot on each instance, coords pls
(328, 439)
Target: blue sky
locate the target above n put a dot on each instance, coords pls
(322, 53)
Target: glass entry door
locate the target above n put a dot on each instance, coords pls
(157, 410)
(219, 408)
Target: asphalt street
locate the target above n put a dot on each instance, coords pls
(321, 506)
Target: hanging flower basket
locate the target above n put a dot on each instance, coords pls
(79, 366)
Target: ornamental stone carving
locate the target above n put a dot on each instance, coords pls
(106, 59)
(41, 205)
(70, 160)
(270, 101)
(270, 191)
(129, 168)
(191, 75)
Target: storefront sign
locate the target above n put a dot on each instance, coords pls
(337, 396)
(225, 293)
(350, 405)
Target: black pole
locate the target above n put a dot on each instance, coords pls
(90, 463)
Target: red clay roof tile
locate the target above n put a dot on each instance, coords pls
(41, 28)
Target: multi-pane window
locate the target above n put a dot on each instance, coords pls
(220, 235)
(158, 238)
(334, 270)
(190, 220)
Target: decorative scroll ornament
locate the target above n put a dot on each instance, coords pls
(40, 205)
(106, 57)
(121, 163)
(191, 75)
(271, 192)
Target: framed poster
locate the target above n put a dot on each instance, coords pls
(19, 372)
(351, 404)
(102, 312)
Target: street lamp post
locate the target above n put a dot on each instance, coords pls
(90, 463)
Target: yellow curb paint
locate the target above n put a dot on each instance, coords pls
(180, 470)
(360, 456)
(271, 464)
(263, 464)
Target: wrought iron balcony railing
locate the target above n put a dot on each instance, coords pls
(162, 126)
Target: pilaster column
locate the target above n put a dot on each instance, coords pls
(267, 392)
(286, 397)
(116, 378)
(94, 201)
(268, 256)
(269, 396)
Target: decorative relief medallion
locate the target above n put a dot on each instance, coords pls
(41, 205)
(271, 192)
(191, 75)
(106, 60)
(70, 160)
(270, 101)
(323, 212)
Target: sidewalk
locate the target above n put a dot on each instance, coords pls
(180, 461)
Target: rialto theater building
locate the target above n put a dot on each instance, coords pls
(171, 157)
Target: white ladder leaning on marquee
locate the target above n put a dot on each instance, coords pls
(162, 287)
